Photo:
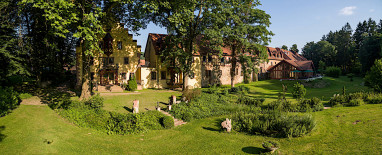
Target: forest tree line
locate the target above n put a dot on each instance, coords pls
(351, 51)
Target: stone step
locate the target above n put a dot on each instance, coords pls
(177, 122)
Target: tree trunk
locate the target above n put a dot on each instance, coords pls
(86, 89)
(185, 81)
(233, 66)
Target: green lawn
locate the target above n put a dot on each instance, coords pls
(147, 100)
(28, 128)
(269, 89)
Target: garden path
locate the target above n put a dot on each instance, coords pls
(177, 122)
(34, 100)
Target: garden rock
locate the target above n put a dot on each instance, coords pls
(227, 125)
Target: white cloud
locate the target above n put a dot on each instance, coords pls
(371, 10)
(349, 10)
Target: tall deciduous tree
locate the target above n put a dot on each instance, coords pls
(244, 29)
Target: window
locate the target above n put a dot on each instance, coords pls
(261, 69)
(163, 75)
(153, 75)
(132, 75)
(222, 60)
(271, 63)
(241, 73)
(208, 73)
(123, 76)
(204, 58)
(236, 71)
(111, 61)
(209, 58)
(119, 44)
(126, 60)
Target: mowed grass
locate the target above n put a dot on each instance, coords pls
(269, 89)
(148, 100)
(28, 128)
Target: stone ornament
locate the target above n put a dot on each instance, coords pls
(135, 106)
(169, 107)
(173, 99)
(227, 125)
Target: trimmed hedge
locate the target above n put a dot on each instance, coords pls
(9, 100)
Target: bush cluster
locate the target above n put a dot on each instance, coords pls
(333, 71)
(251, 101)
(303, 105)
(90, 114)
(168, 122)
(9, 100)
(355, 99)
(273, 123)
(207, 105)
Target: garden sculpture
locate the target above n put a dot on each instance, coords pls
(135, 106)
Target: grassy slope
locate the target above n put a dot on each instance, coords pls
(269, 89)
(28, 126)
(147, 100)
(26, 129)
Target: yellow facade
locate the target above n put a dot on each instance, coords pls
(124, 48)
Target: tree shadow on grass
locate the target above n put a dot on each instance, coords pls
(2, 136)
(216, 126)
(127, 109)
(252, 150)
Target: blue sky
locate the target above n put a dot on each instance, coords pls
(302, 21)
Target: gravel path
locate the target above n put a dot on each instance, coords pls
(34, 100)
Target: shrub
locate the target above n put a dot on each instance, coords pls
(282, 105)
(84, 115)
(333, 71)
(168, 122)
(132, 84)
(299, 91)
(273, 123)
(271, 145)
(95, 101)
(25, 95)
(355, 102)
(250, 101)
(190, 94)
(338, 100)
(208, 105)
(9, 100)
(234, 90)
(373, 77)
(350, 76)
(313, 104)
(125, 86)
(374, 99)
